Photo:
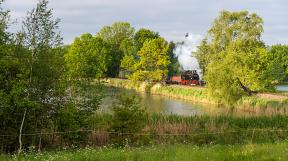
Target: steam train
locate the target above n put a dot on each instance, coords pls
(188, 77)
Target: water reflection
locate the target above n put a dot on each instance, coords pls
(167, 105)
(282, 88)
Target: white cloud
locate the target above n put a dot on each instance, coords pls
(172, 19)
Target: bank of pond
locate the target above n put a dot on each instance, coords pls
(174, 116)
(194, 100)
(163, 104)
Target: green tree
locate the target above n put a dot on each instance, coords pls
(13, 92)
(278, 56)
(4, 19)
(87, 60)
(238, 74)
(13, 84)
(174, 66)
(235, 59)
(88, 57)
(142, 35)
(130, 47)
(228, 28)
(129, 118)
(203, 55)
(130, 55)
(114, 35)
(42, 38)
(152, 63)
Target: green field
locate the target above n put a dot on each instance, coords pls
(247, 152)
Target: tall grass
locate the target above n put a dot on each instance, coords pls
(170, 129)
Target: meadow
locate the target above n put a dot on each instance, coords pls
(243, 152)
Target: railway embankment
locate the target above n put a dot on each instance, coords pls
(200, 95)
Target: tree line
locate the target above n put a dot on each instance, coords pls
(119, 51)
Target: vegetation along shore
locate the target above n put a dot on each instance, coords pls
(200, 94)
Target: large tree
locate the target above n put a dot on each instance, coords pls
(142, 35)
(227, 28)
(88, 57)
(278, 55)
(234, 57)
(115, 35)
(13, 84)
(130, 47)
(152, 62)
(42, 38)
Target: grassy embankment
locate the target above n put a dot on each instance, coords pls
(246, 152)
(199, 94)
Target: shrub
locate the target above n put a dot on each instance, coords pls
(129, 119)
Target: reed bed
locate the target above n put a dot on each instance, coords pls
(168, 130)
(171, 129)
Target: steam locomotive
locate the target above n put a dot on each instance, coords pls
(187, 77)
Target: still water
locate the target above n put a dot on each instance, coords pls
(282, 88)
(168, 105)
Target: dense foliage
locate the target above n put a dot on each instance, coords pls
(234, 58)
(152, 62)
(278, 56)
(115, 35)
(143, 35)
(88, 57)
(129, 119)
(35, 96)
(174, 66)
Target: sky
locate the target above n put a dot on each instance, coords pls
(172, 19)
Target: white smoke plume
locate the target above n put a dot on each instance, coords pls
(184, 51)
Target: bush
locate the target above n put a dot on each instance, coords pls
(128, 120)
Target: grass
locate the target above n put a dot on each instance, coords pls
(203, 130)
(194, 94)
(181, 152)
(172, 129)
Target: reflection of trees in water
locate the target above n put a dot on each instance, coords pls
(154, 103)
(166, 105)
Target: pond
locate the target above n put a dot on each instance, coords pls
(167, 105)
(282, 88)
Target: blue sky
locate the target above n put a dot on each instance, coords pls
(172, 19)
